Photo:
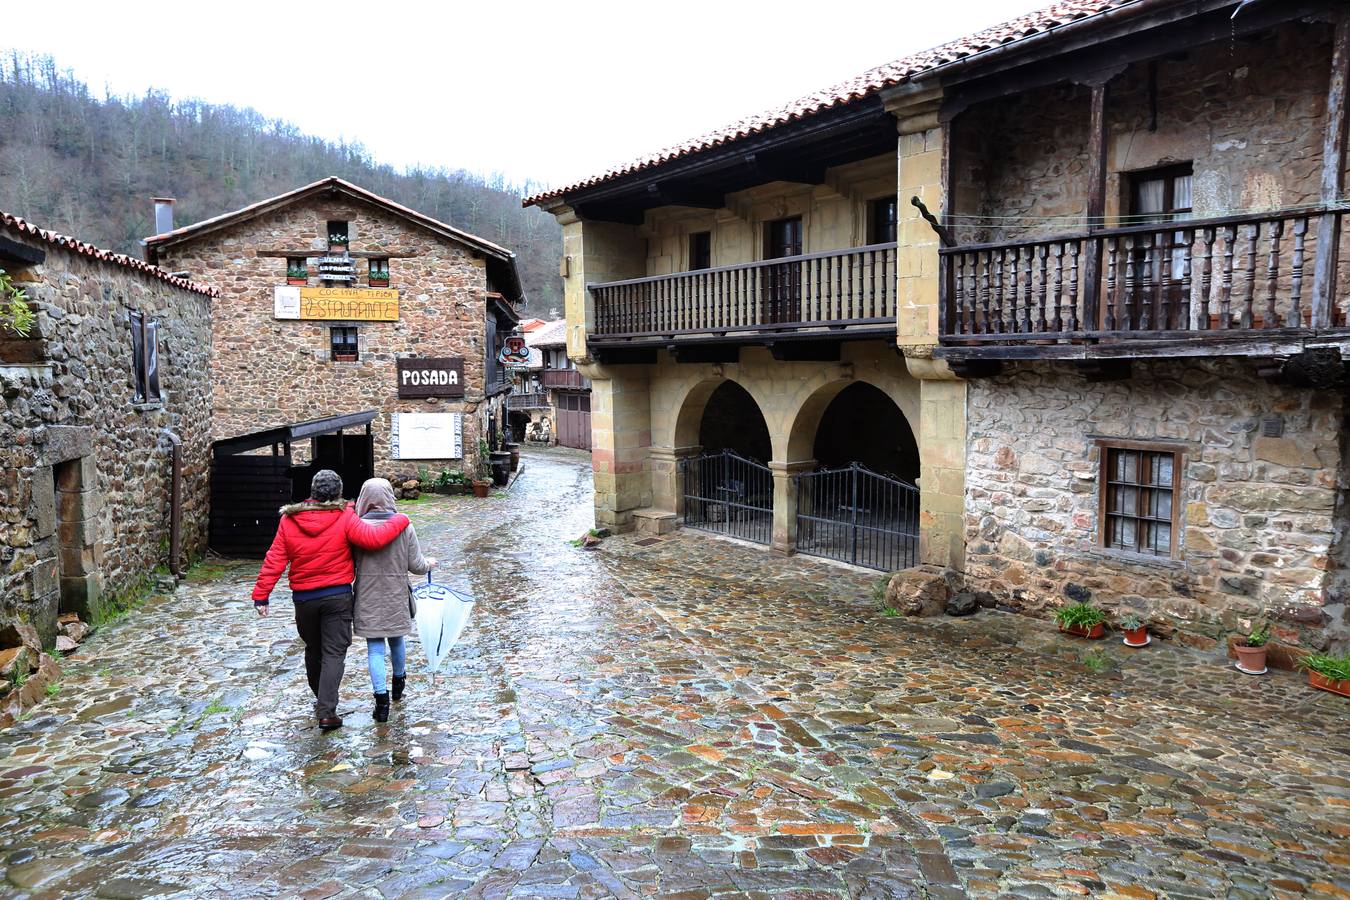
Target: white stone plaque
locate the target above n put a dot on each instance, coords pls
(285, 302)
(427, 436)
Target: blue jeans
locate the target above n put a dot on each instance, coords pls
(375, 660)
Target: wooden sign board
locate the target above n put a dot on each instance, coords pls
(427, 436)
(419, 379)
(335, 304)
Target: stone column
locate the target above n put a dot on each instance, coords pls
(923, 159)
(621, 439)
(785, 503)
(668, 478)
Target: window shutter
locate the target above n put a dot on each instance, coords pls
(152, 360)
(137, 355)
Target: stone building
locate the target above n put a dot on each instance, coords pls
(335, 300)
(1116, 298)
(114, 374)
(552, 397)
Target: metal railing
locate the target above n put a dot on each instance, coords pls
(858, 516)
(527, 401)
(837, 288)
(728, 494)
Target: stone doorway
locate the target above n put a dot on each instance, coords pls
(75, 501)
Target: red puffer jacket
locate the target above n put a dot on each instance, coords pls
(315, 539)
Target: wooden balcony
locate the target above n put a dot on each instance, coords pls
(1236, 285)
(527, 401)
(567, 379)
(838, 293)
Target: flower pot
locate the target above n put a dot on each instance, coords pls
(1136, 637)
(481, 488)
(1090, 632)
(297, 282)
(1251, 660)
(344, 357)
(377, 283)
(1322, 682)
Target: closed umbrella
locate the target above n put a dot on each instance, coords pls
(442, 613)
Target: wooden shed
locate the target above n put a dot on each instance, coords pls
(249, 487)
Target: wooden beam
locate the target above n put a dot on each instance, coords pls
(805, 351)
(1096, 203)
(975, 368)
(705, 353)
(1333, 166)
(24, 253)
(798, 172)
(668, 193)
(1095, 370)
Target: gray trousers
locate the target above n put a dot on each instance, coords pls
(325, 625)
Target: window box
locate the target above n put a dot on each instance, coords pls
(379, 282)
(344, 357)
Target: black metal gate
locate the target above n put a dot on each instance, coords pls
(728, 494)
(854, 515)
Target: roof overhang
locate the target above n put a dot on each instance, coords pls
(296, 431)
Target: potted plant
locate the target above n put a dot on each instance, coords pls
(1328, 672)
(379, 276)
(1082, 619)
(483, 482)
(1251, 651)
(298, 275)
(337, 242)
(1135, 631)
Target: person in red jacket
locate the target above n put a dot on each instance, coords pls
(315, 539)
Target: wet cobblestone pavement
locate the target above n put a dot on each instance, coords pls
(681, 718)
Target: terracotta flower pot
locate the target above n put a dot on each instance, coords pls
(1136, 637)
(1092, 633)
(1251, 660)
(481, 488)
(1322, 682)
(297, 282)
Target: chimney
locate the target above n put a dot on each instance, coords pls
(163, 214)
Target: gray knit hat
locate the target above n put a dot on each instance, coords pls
(325, 486)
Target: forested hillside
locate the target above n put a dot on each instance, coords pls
(86, 166)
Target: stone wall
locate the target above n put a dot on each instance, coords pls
(1258, 514)
(269, 372)
(1249, 114)
(75, 449)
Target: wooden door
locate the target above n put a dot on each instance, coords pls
(783, 283)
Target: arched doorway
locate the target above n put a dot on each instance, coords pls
(861, 504)
(728, 487)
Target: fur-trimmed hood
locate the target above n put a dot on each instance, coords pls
(314, 517)
(291, 509)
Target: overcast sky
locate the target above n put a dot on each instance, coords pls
(546, 91)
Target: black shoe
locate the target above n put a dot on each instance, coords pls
(330, 723)
(382, 707)
(399, 682)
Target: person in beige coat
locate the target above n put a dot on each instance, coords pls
(383, 597)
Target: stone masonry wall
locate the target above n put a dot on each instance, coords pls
(269, 372)
(1257, 524)
(1249, 114)
(77, 407)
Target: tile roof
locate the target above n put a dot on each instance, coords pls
(550, 334)
(864, 85)
(21, 226)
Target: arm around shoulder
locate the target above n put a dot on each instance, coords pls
(374, 535)
(417, 563)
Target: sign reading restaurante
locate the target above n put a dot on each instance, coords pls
(335, 303)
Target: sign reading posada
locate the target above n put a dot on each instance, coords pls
(419, 379)
(335, 303)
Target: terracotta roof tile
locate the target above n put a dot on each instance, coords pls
(14, 223)
(857, 88)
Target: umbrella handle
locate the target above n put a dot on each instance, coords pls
(428, 576)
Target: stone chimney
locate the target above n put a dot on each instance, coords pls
(163, 214)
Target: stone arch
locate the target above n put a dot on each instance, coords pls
(799, 438)
(694, 405)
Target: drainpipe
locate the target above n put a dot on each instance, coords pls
(175, 500)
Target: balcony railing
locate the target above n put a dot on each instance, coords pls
(564, 378)
(527, 401)
(1156, 281)
(837, 289)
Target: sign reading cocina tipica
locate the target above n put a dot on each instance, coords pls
(431, 377)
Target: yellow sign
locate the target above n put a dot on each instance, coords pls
(357, 304)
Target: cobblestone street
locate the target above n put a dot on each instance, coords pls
(682, 718)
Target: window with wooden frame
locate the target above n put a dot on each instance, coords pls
(337, 232)
(1140, 486)
(342, 342)
(1161, 194)
(700, 250)
(379, 272)
(144, 358)
(881, 218)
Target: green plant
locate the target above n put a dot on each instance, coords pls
(1258, 637)
(423, 474)
(1096, 662)
(1131, 622)
(15, 313)
(1079, 615)
(890, 612)
(53, 689)
(297, 272)
(484, 467)
(879, 591)
(337, 239)
(1330, 666)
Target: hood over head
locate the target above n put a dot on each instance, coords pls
(315, 516)
(377, 495)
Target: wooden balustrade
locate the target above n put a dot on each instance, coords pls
(1211, 275)
(563, 378)
(527, 401)
(837, 288)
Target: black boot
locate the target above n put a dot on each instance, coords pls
(382, 707)
(399, 682)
